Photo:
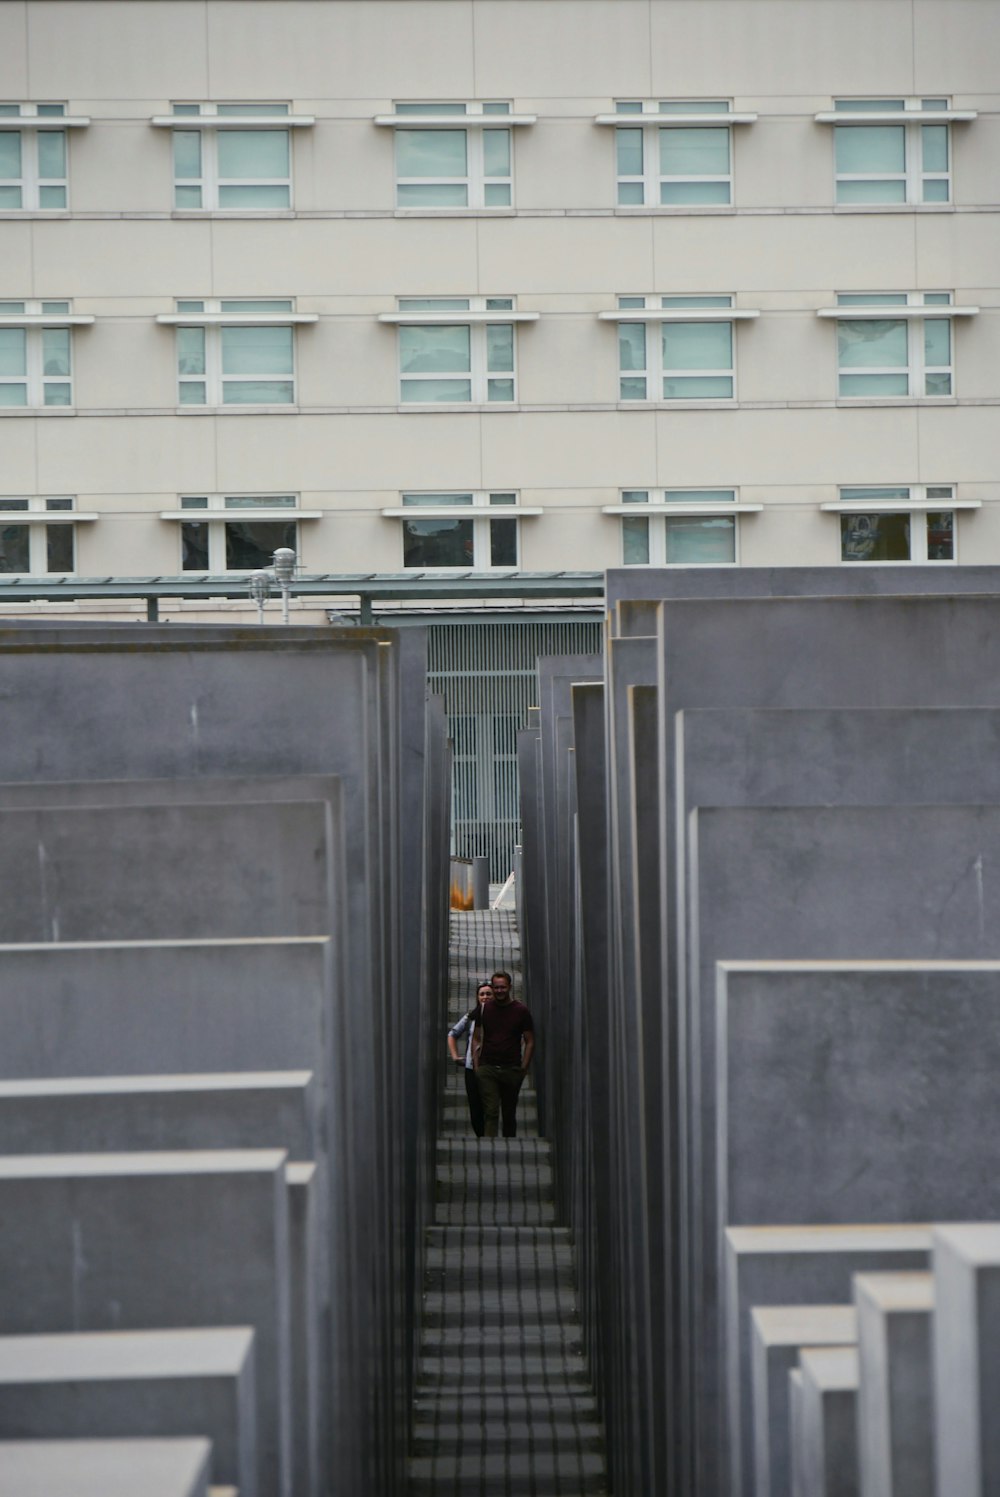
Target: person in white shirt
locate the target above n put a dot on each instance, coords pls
(466, 1027)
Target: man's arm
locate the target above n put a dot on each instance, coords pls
(528, 1050)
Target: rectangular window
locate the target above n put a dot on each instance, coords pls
(33, 171)
(229, 168)
(676, 360)
(683, 165)
(469, 538)
(892, 163)
(243, 363)
(681, 539)
(32, 546)
(217, 541)
(456, 362)
(35, 362)
(894, 355)
(464, 167)
(892, 532)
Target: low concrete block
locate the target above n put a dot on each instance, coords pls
(779, 1333)
(105, 1468)
(895, 1400)
(829, 1435)
(100, 1242)
(307, 1390)
(99, 1385)
(795, 1429)
(798, 1265)
(967, 1358)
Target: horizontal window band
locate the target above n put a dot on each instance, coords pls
(204, 516)
(895, 116)
(453, 121)
(679, 314)
(895, 506)
(460, 512)
(234, 319)
(44, 121)
(893, 312)
(674, 121)
(233, 121)
(716, 508)
(439, 319)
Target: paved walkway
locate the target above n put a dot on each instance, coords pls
(503, 1405)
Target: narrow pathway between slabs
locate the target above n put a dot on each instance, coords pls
(504, 1406)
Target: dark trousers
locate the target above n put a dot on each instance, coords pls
(499, 1086)
(475, 1102)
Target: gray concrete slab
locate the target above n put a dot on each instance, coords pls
(310, 1390)
(797, 1265)
(136, 1384)
(967, 1357)
(98, 1242)
(105, 1468)
(778, 1332)
(828, 1425)
(895, 1394)
(795, 1430)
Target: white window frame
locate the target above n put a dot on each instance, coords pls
(473, 118)
(207, 122)
(912, 114)
(39, 514)
(37, 317)
(918, 308)
(26, 121)
(645, 310)
(916, 501)
(478, 314)
(481, 506)
(217, 510)
(670, 114)
(661, 505)
(213, 315)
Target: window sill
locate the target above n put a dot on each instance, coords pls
(428, 212)
(894, 208)
(37, 410)
(848, 403)
(673, 210)
(236, 410)
(199, 213)
(450, 409)
(675, 405)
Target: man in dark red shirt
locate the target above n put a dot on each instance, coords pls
(508, 1044)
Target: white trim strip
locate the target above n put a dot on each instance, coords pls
(893, 312)
(679, 314)
(710, 509)
(894, 116)
(44, 121)
(234, 319)
(453, 121)
(243, 514)
(46, 516)
(437, 319)
(895, 506)
(674, 121)
(45, 319)
(461, 512)
(233, 121)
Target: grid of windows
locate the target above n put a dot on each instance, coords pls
(877, 524)
(235, 533)
(889, 355)
(456, 361)
(228, 167)
(35, 362)
(32, 542)
(894, 162)
(33, 172)
(674, 165)
(465, 166)
(466, 535)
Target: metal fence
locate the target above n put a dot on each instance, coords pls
(486, 672)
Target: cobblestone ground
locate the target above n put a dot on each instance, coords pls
(503, 1403)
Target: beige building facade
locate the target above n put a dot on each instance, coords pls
(497, 284)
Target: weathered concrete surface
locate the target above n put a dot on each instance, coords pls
(967, 1357)
(105, 1468)
(828, 1426)
(778, 1334)
(895, 1397)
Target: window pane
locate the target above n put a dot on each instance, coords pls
(935, 190)
(872, 192)
(437, 390)
(57, 394)
(632, 388)
(191, 350)
(697, 345)
(431, 153)
(503, 543)
(940, 535)
(187, 153)
(632, 345)
(12, 350)
(500, 347)
(435, 350)
(935, 143)
(51, 197)
(252, 544)
(870, 148)
(256, 350)
(437, 543)
(55, 350)
(194, 546)
(59, 548)
(496, 195)
(10, 197)
(937, 341)
(875, 537)
(253, 153)
(699, 387)
(257, 392)
(500, 389)
(10, 153)
(938, 384)
(874, 384)
(192, 392)
(691, 541)
(187, 197)
(52, 153)
(246, 196)
(14, 548)
(694, 153)
(700, 496)
(635, 541)
(872, 345)
(629, 152)
(694, 192)
(432, 195)
(496, 153)
(630, 194)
